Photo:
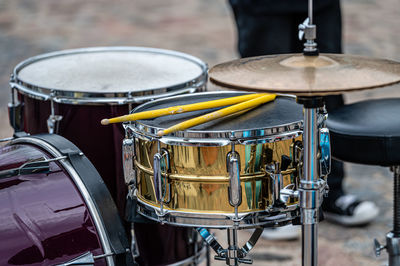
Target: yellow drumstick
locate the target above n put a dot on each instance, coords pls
(218, 114)
(181, 109)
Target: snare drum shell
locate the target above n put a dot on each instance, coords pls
(195, 178)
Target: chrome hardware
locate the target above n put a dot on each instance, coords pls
(233, 255)
(307, 31)
(37, 166)
(161, 162)
(85, 259)
(287, 193)
(235, 189)
(273, 170)
(157, 176)
(128, 155)
(325, 152)
(378, 247)
(53, 120)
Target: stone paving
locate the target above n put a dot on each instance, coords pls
(204, 28)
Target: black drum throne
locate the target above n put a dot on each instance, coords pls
(368, 132)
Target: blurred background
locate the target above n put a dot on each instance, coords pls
(205, 29)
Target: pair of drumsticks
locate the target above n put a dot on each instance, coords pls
(238, 104)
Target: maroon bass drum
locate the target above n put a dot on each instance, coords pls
(55, 208)
(69, 92)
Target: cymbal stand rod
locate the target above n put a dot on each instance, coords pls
(310, 11)
(309, 183)
(309, 32)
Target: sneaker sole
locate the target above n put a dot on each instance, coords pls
(358, 219)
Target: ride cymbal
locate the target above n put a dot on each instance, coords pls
(306, 75)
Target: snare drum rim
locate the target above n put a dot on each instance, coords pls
(213, 138)
(112, 98)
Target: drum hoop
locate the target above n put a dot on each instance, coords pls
(112, 98)
(103, 237)
(214, 138)
(218, 220)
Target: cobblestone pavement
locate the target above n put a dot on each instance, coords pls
(204, 28)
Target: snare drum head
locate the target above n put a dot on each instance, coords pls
(109, 70)
(273, 118)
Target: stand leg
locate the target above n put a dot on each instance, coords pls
(393, 238)
(233, 256)
(309, 189)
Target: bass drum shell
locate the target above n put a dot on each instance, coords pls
(54, 216)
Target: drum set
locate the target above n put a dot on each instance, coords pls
(141, 198)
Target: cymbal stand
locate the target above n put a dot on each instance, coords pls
(310, 183)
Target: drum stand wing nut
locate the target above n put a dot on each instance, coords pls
(308, 32)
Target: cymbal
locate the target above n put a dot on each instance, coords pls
(297, 74)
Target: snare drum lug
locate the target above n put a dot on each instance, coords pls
(128, 158)
(274, 171)
(234, 189)
(161, 191)
(157, 177)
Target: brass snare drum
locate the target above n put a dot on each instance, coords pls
(183, 179)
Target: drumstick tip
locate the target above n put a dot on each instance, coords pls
(105, 122)
(160, 133)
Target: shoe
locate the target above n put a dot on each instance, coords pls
(287, 232)
(349, 211)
